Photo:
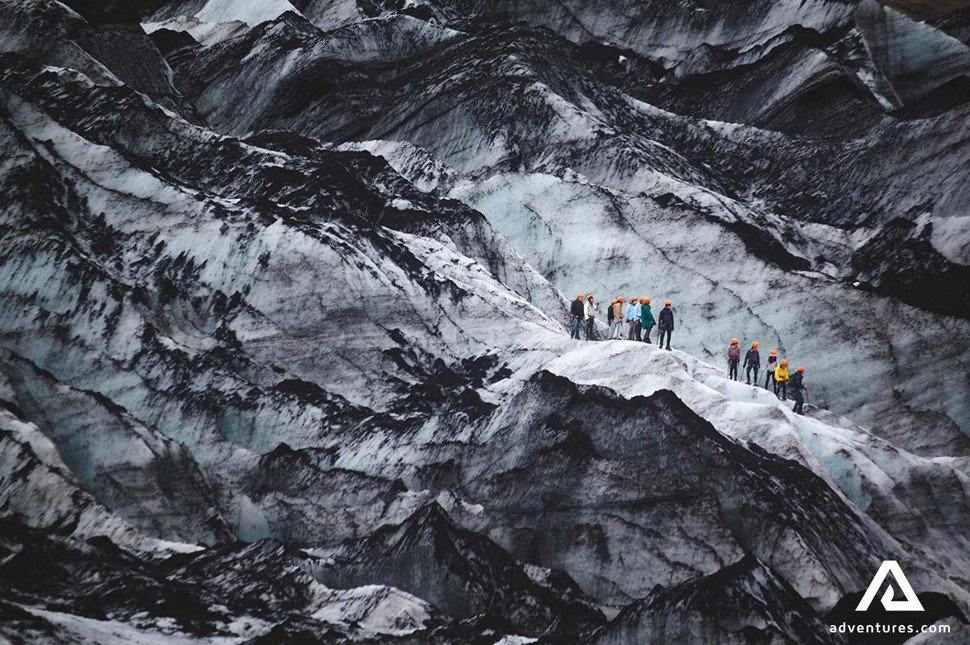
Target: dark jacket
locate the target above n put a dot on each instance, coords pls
(609, 313)
(618, 311)
(577, 309)
(796, 382)
(667, 319)
(752, 358)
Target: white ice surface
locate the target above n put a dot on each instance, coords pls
(251, 12)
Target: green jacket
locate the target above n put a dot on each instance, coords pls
(646, 316)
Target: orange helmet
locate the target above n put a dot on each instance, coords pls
(667, 302)
(613, 301)
(801, 368)
(754, 345)
(646, 300)
(784, 362)
(734, 341)
(634, 299)
(773, 352)
(589, 297)
(620, 299)
(579, 296)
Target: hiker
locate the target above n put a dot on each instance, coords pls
(577, 311)
(617, 324)
(646, 319)
(632, 315)
(638, 331)
(666, 325)
(609, 314)
(752, 363)
(734, 357)
(770, 366)
(798, 387)
(589, 311)
(781, 380)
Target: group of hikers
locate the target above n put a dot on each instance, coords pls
(776, 372)
(636, 314)
(639, 320)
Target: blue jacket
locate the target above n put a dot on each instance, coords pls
(631, 311)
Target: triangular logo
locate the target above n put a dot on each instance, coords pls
(911, 603)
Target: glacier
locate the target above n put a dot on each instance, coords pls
(285, 287)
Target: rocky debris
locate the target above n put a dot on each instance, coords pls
(58, 589)
(742, 603)
(464, 574)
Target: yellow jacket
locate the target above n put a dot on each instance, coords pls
(781, 373)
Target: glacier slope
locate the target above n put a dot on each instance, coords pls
(187, 327)
(917, 499)
(641, 168)
(188, 291)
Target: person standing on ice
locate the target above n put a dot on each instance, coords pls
(734, 357)
(632, 315)
(770, 367)
(617, 324)
(798, 388)
(646, 319)
(666, 325)
(577, 311)
(589, 311)
(609, 315)
(781, 380)
(638, 336)
(752, 363)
